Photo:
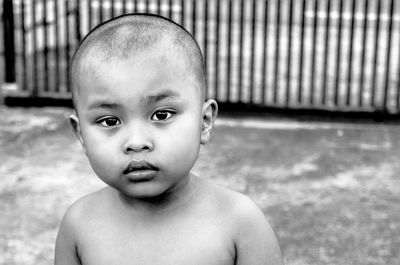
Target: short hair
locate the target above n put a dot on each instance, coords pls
(125, 36)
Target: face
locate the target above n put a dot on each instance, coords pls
(141, 123)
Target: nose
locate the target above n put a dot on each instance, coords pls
(138, 139)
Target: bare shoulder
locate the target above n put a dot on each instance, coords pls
(236, 205)
(254, 239)
(83, 208)
(71, 228)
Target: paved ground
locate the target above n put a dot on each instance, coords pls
(330, 190)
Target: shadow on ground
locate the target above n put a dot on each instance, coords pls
(331, 191)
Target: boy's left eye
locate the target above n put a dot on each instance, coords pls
(109, 122)
(161, 115)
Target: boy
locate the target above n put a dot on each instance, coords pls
(138, 91)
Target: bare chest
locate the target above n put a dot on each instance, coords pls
(194, 242)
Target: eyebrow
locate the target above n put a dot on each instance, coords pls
(164, 94)
(103, 105)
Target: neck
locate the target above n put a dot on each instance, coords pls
(173, 199)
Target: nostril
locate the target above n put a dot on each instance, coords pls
(137, 147)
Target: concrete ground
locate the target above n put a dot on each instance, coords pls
(330, 190)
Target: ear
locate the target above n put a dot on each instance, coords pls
(76, 128)
(209, 112)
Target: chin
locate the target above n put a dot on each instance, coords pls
(145, 192)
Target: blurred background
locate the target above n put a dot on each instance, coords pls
(309, 92)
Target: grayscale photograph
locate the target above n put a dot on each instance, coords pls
(207, 132)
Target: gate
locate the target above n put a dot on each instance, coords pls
(339, 55)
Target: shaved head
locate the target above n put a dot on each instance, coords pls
(126, 37)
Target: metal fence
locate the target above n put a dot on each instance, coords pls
(340, 55)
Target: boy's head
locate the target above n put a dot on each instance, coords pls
(138, 89)
(130, 36)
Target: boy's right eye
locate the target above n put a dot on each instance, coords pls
(109, 122)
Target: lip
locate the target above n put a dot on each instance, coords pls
(140, 170)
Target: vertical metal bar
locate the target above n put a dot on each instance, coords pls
(303, 29)
(35, 91)
(229, 48)
(389, 51)
(363, 47)
(338, 53)
(136, 6)
(57, 59)
(159, 7)
(45, 47)
(101, 10)
(124, 6)
(289, 61)
(314, 52)
(350, 63)
(253, 39)
(9, 42)
(217, 22)
(205, 44)
(377, 31)
(67, 48)
(194, 18)
(24, 61)
(240, 75)
(277, 50)
(147, 9)
(265, 45)
(112, 8)
(398, 82)
(78, 21)
(89, 14)
(183, 13)
(326, 52)
(170, 9)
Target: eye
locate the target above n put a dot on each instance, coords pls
(162, 115)
(109, 122)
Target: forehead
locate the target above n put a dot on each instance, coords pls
(163, 54)
(137, 79)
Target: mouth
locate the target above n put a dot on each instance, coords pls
(140, 171)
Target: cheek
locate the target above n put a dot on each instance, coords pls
(100, 152)
(184, 140)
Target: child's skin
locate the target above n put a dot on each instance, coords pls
(141, 121)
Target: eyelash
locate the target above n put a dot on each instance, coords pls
(168, 112)
(103, 121)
